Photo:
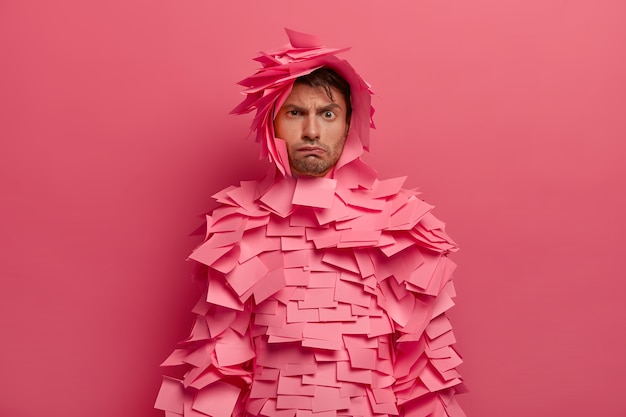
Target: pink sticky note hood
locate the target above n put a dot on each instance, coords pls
(268, 88)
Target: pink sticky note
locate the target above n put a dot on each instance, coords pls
(290, 243)
(175, 358)
(445, 339)
(408, 215)
(343, 312)
(233, 349)
(331, 356)
(360, 236)
(270, 409)
(206, 378)
(273, 283)
(297, 258)
(357, 174)
(202, 356)
(282, 227)
(246, 275)
(363, 358)
(352, 389)
(387, 188)
(322, 344)
(371, 221)
(345, 372)
(447, 364)
(292, 385)
(322, 279)
(444, 303)
(264, 388)
(217, 399)
(438, 326)
(171, 396)
(223, 197)
(380, 326)
(296, 276)
(434, 382)
(307, 413)
(324, 331)
(361, 198)
(244, 195)
(225, 224)
(300, 369)
(315, 192)
(318, 298)
(221, 239)
(276, 200)
(364, 262)
(351, 293)
(256, 242)
(266, 307)
(341, 260)
(384, 395)
(297, 315)
(326, 375)
(399, 309)
(336, 212)
(329, 398)
(293, 402)
(298, 294)
(302, 40)
(256, 222)
(359, 326)
(219, 319)
(228, 262)
(200, 330)
(323, 238)
(382, 407)
(275, 320)
(207, 255)
(400, 243)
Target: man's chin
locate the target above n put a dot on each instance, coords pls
(310, 170)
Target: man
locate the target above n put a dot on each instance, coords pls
(326, 287)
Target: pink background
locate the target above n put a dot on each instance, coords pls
(510, 116)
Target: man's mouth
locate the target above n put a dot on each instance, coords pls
(314, 150)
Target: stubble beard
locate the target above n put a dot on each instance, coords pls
(312, 165)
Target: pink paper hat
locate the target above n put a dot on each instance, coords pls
(269, 87)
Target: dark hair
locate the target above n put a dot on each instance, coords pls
(326, 78)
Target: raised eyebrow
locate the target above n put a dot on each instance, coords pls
(332, 107)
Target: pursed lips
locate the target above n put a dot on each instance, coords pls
(311, 149)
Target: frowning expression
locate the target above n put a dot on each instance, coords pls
(314, 127)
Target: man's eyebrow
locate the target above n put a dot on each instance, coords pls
(294, 107)
(331, 106)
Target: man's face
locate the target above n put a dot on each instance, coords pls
(314, 128)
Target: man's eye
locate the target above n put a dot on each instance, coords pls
(329, 114)
(293, 112)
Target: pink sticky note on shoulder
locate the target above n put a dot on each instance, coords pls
(315, 192)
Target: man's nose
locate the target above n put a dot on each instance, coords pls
(311, 128)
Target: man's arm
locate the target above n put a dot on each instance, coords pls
(417, 297)
(215, 360)
(214, 363)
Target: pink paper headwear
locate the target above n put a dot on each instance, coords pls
(269, 87)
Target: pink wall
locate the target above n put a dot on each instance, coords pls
(510, 115)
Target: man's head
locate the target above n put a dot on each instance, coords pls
(314, 121)
(289, 70)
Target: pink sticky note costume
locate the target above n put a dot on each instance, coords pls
(326, 296)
